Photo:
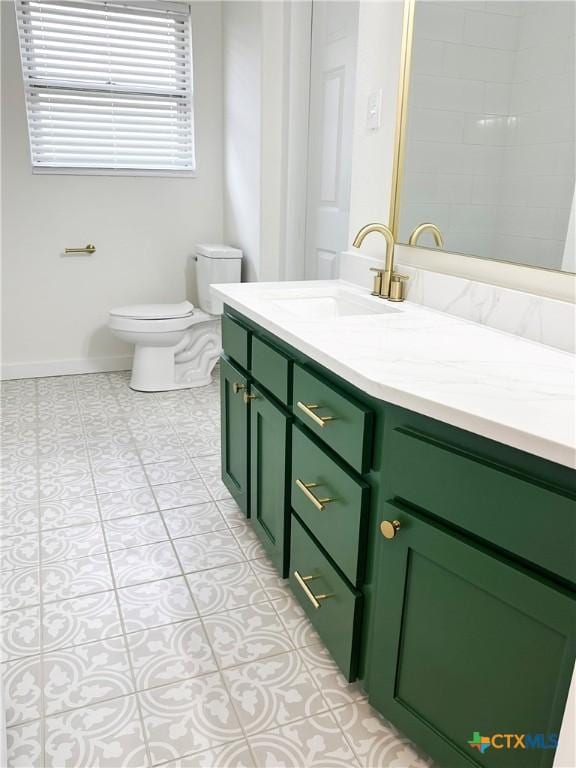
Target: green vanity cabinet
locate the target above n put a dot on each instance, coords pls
(466, 642)
(269, 456)
(234, 431)
(459, 614)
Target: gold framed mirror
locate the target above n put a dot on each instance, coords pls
(485, 132)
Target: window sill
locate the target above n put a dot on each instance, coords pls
(135, 172)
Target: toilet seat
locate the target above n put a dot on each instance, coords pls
(131, 324)
(154, 311)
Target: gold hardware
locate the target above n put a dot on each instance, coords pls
(401, 113)
(87, 249)
(389, 529)
(384, 276)
(314, 599)
(305, 488)
(427, 227)
(309, 409)
(248, 397)
(377, 289)
(238, 387)
(397, 288)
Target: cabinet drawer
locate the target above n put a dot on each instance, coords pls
(526, 518)
(340, 421)
(331, 605)
(331, 502)
(236, 341)
(271, 369)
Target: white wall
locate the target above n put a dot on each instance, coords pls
(256, 91)
(377, 69)
(54, 308)
(241, 54)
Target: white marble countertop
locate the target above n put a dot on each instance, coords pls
(488, 382)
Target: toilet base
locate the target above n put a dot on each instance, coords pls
(186, 365)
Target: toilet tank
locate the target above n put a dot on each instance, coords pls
(215, 264)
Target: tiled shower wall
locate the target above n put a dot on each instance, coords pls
(538, 179)
(490, 154)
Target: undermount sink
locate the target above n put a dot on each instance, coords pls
(328, 304)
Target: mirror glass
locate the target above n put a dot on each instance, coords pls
(489, 141)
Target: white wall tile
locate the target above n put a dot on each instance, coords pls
(439, 21)
(454, 188)
(521, 160)
(420, 187)
(497, 98)
(473, 243)
(436, 125)
(564, 158)
(486, 190)
(524, 98)
(507, 7)
(491, 30)
(473, 218)
(477, 63)
(428, 57)
(488, 130)
(527, 221)
(413, 215)
(557, 92)
(447, 93)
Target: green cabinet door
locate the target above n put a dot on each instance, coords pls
(269, 455)
(234, 426)
(465, 645)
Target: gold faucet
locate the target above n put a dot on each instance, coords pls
(383, 279)
(427, 227)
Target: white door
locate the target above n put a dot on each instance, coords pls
(332, 90)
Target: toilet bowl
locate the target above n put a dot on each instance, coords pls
(176, 346)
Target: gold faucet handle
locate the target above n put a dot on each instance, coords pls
(378, 281)
(397, 287)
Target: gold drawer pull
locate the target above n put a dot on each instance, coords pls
(238, 387)
(305, 488)
(314, 599)
(389, 529)
(309, 409)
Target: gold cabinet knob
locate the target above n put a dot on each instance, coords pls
(237, 387)
(389, 529)
(248, 397)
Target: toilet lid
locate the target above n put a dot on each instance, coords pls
(154, 311)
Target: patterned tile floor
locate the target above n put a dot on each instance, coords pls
(141, 621)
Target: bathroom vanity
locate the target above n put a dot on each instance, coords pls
(411, 474)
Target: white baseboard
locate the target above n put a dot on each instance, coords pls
(65, 367)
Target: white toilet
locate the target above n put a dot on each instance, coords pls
(177, 345)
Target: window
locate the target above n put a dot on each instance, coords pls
(108, 85)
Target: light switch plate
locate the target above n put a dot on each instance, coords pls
(374, 111)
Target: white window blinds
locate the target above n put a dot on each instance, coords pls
(108, 84)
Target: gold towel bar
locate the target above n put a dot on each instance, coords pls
(87, 249)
